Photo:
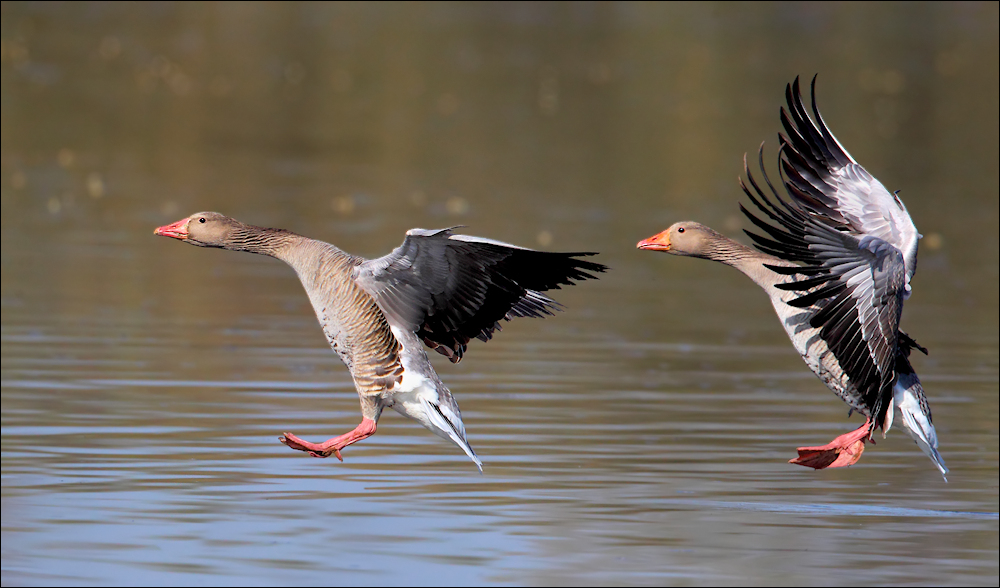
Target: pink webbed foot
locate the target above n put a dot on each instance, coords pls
(843, 451)
(331, 446)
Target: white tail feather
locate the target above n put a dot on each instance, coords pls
(450, 427)
(907, 394)
(428, 401)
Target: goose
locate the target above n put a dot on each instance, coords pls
(438, 290)
(836, 258)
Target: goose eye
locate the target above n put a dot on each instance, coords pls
(201, 220)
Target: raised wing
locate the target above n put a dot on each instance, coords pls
(823, 177)
(853, 286)
(449, 288)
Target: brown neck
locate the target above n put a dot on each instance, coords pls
(302, 253)
(749, 261)
(724, 250)
(272, 242)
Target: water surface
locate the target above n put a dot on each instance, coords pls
(638, 438)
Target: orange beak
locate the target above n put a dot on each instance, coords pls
(177, 230)
(659, 242)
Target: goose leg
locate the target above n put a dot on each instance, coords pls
(332, 446)
(843, 451)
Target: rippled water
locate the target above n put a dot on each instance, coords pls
(639, 437)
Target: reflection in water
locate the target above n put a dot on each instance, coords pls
(638, 438)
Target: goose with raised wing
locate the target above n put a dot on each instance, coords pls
(438, 289)
(836, 257)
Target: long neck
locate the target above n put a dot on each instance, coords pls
(305, 255)
(272, 242)
(749, 261)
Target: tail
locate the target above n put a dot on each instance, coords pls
(908, 396)
(448, 424)
(425, 399)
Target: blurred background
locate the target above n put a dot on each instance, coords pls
(640, 437)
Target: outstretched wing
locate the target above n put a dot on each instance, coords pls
(853, 287)
(449, 288)
(823, 177)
